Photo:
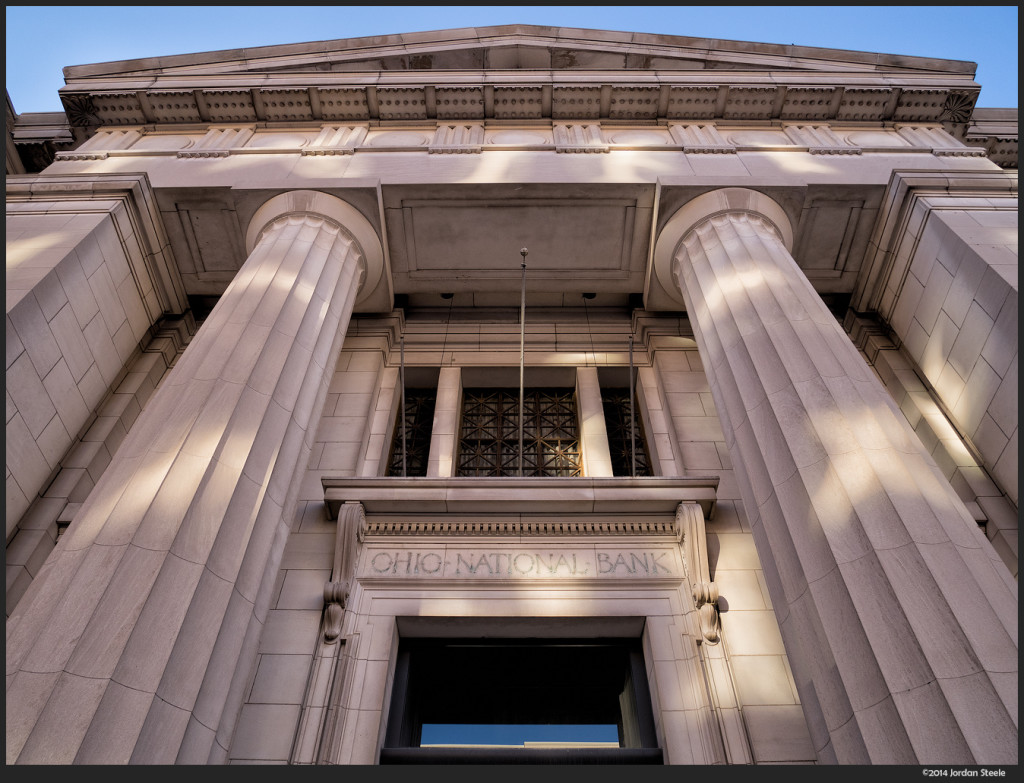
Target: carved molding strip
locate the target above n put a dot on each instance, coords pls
(653, 527)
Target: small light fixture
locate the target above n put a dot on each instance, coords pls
(589, 296)
(447, 296)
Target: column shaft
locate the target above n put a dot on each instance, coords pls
(898, 618)
(112, 652)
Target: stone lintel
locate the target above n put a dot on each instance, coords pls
(521, 496)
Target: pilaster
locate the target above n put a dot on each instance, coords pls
(597, 460)
(444, 435)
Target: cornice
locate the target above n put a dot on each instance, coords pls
(648, 96)
(529, 497)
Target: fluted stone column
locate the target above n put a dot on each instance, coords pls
(128, 643)
(898, 617)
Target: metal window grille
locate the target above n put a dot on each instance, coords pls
(489, 438)
(419, 419)
(620, 442)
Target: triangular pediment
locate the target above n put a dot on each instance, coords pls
(519, 47)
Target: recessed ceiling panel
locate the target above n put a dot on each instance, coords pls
(473, 244)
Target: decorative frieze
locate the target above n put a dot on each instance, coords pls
(458, 137)
(700, 138)
(564, 137)
(692, 103)
(337, 140)
(808, 103)
(174, 106)
(399, 103)
(459, 103)
(518, 103)
(338, 103)
(865, 103)
(418, 98)
(119, 108)
(578, 137)
(576, 102)
(634, 103)
(750, 103)
(228, 106)
(919, 105)
(284, 105)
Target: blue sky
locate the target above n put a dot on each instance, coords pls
(52, 37)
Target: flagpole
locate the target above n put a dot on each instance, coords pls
(522, 355)
(632, 425)
(405, 449)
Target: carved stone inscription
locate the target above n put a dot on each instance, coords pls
(521, 563)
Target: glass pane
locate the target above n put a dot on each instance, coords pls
(624, 446)
(527, 735)
(489, 442)
(419, 420)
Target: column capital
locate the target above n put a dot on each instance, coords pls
(375, 292)
(704, 207)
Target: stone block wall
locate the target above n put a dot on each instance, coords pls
(965, 470)
(77, 472)
(956, 315)
(75, 316)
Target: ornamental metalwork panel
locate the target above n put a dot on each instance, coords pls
(419, 420)
(489, 437)
(621, 443)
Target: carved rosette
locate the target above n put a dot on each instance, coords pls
(958, 107)
(80, 110)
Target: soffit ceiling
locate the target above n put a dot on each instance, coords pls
(466, 240)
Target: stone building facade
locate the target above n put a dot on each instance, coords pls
(364, 389)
